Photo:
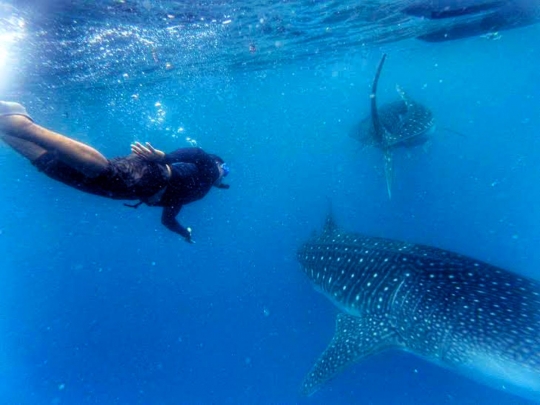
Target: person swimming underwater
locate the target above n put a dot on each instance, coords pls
(158, 179)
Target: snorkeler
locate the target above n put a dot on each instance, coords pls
(149, 175)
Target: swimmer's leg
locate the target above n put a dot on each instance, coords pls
(29, 150)
(16, 125)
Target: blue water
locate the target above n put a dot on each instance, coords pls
(100, 304)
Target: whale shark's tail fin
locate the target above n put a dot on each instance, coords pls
(377, 126)
(389, 170)
(379, 131)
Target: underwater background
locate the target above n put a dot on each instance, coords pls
(100, 304)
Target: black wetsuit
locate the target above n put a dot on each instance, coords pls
(133, 178)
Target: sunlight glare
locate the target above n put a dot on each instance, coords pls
(7, 42)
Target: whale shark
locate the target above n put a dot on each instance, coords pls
(459, 19)
(450, 309)
(402, 123)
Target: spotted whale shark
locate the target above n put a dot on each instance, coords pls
(450, 309)
(401, 123)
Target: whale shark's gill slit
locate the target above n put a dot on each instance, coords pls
(396, 292)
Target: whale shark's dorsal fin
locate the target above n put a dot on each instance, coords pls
(330, 225)
(354, 340)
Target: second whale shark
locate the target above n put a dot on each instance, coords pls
(450, 309)
(402, 123)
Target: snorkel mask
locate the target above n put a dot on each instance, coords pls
(225, 169)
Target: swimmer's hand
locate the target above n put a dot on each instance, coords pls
(147, 152)
(188, 238)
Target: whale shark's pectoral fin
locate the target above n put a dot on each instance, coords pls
(389, 170)
(355, 339)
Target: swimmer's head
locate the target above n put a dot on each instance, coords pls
(223, 171)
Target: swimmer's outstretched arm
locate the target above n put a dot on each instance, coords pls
(182, 155)
(168, 218)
